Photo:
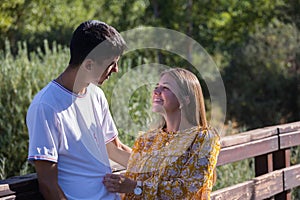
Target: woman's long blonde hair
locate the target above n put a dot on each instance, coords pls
(189, 87)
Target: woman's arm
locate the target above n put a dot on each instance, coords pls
(118, 152)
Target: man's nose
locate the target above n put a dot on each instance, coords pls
(115, 68)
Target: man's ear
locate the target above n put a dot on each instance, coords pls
(87, 64)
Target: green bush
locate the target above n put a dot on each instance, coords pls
(22, 76)
(234, 173)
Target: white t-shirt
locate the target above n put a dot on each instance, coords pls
(72, 130)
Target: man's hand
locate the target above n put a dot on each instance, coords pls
(118, 183)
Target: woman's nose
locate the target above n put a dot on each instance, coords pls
(157, 90)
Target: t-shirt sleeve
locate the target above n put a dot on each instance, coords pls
(108, 125)
(42, 123)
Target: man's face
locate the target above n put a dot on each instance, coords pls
(101, 72)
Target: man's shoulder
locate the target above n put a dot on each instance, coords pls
(47, 95)
(97, 94)
(43, 93)
(96, 89)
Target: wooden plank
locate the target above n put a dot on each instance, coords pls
(263, 164)
(231, 140)
(291, 177)
(286, 128)
(247, 150)
(289, 139)
(29, 195)
(5, 190)
(257, 134)
(248, 136)
(243, 191)
(19, 179)
(268, 185)
(281, 159)
(22, 185)
(11, 197)
(262, 133)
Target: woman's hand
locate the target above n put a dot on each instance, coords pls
(118, 183)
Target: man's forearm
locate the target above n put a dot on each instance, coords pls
(47, 179)
(52, 192)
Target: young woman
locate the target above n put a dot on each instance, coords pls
(176, 160)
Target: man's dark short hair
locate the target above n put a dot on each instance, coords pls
(96, 40)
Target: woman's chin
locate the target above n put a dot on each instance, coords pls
(158, 109)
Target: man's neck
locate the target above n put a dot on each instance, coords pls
(71, 80)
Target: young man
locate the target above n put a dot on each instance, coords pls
(69, 121)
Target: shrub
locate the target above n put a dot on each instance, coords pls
(22, 76)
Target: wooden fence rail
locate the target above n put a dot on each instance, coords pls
(270, 148)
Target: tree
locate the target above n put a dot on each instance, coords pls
(34, 21)
(261, 80)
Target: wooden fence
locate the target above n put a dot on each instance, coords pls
(270, 148)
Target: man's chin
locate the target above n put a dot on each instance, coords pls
(100, 82)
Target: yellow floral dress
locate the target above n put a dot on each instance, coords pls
(174, 165)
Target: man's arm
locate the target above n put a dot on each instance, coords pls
(118, 152)
(47, 178)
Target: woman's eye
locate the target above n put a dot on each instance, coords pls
(165, 88)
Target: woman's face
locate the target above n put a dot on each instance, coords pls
(164, 99)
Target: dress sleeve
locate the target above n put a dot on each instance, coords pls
(191, 176)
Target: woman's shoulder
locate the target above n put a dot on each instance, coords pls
(147, 134)
(208, 132)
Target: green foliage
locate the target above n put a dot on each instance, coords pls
(34, 21)
(234, 173)
(2, 168)
(21, 77)
(262, 78)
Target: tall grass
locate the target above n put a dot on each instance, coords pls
(22, 76)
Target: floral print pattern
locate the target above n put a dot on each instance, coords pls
(174, 165)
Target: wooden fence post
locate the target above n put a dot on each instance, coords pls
(282, 159)
(263, 164)
(279, 159)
